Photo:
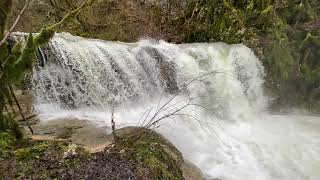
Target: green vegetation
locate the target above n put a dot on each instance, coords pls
(139, 152)
(16, 60)
(153, 151)
(29, 153)
(283, 33)
(27, 159)
(38, 159)
(7, 142)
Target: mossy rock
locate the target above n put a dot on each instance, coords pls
(41, 159)
(38, 150)
(151, 150)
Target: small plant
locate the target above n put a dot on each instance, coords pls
(7, 141)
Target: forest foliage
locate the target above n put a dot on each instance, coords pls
(16, 60)
(283, 33)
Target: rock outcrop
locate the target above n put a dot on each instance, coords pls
(145, 151)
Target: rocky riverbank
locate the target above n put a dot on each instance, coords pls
(76, 149)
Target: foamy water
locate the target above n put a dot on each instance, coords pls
(226, 130)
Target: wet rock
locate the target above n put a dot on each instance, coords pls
(151, 156)
(64, 133)
(75, 130)
(191, 171)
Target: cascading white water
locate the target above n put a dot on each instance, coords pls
(225, 131)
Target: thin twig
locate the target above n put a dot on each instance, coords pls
(159, 102)
(165, 106)
(11, 105)
(142, 116)
(20, 109)
(71, 14)
(15, 23)
(152, 123)
(27, 118)
(173, 105)
(147, 116)
(201, 106)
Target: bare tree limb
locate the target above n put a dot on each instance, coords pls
(147, 116)
(15, 22)
(27, 118)
(71, 14)
(20, 109)
(153, 121)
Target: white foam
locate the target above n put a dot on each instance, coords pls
(233, 139)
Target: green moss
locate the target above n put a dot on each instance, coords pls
(9, 125)
(4, 51)
(224, 20)
(7, 142)
(161, 164)
(15, 69)
(152, 151)
(44, 36)
(30, 153)
(41, 160)
(16, 50)
(37, 150)
(280, 58)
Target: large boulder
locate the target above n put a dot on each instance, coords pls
(154, 151)
(154, 154)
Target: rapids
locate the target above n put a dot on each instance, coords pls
(225, 129)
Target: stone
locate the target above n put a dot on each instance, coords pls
(75, 130)
(191, 171)
(95, 139)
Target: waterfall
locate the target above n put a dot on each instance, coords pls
(226, 130)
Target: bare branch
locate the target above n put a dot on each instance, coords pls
(153, 121)
(20, 109)
(15, 23)
(142, 116)
(199, 105)
(71, 14)
(159, 103)
(147, 116)
(190, 82)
